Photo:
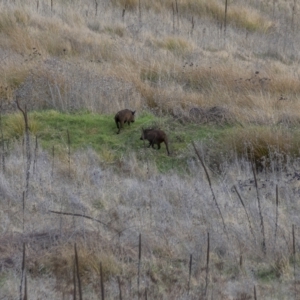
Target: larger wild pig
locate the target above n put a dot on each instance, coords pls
(124, 116)
(155, 136)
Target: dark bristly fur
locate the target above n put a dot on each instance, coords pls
(155, 136)
(124, 116)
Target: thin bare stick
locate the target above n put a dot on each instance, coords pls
(83, 216)
(139, 264)
(293, 15)
(264, 249)
(176, 3)
(35, 155)
(69, 152)
(209, 182)
(276, 217)
(52, 169)
(294, 252)
(140, 12)
(23, 201)
(173, 9)
(77, 272)
(23, 271)
(27, 143)
(225, 19)
(123, 13)
(207, 265)
(96, 7)
(190, 272)
(120, 288)
(241, 200)
(193, 25)
(241, 260)
(74, 280)
(25, 288)
(101, 282)
(255, 298)
(2, 141)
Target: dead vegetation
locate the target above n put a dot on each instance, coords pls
(171, 58)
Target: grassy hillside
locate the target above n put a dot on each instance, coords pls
(217, 222)
(82, 131)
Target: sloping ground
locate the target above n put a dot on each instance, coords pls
(104, 212)
(70, 57)
(66, 86)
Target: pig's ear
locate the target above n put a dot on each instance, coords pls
(133, 112)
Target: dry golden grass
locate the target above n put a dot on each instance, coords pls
(249, 19)
(262, 145)
(69, 59)
(158, 67)
(175, 45)
(16, 125)
(241, 16)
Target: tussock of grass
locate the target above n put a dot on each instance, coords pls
(7, 22)
(241, 16)
(118, 30)
(249, 19)
(263, 145)
(15, 125)
(177, 46)
(60, 261)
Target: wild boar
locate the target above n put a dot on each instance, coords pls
(155, 136)
(124, 116)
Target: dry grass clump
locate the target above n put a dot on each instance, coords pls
(7, 22)
(54, 36)
(16, 125)
(176, 45)
(12, 76)
(262, 145)
(206, 78)
(240, 16)
(249, 19)
(118, 30)
(59, 261)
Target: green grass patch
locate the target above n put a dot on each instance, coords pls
(267, 274)
(98, 132)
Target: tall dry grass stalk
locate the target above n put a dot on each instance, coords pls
(69, 152)
(23, 275)
(102, 282)
(77, 272)
(276, 216)
(2, 141)
(139, 265)
(207, 266)
(294, 251)
(247, 215)
(35, 155)
(262, 224)
(120, 288)
(210, 185)
(190, 272)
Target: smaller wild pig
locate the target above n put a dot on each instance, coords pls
(155, 136)
(124, 116)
